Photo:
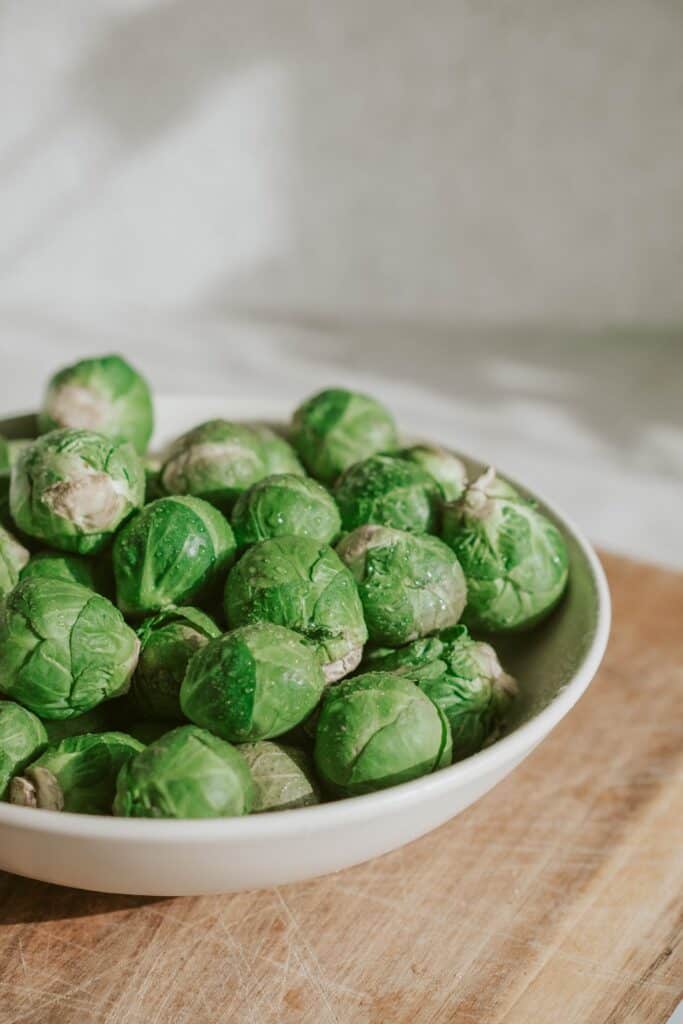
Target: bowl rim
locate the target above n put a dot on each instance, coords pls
(302, 821)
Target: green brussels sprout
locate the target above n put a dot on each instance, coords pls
(336, 428)
(285, 505)
(409, 584)
(388, 491)
(63, 649)
(283, 776)
(462, 676)
(216, 461)
(174, 550)
(104, 394)
(22, 738)
(278, 454)
(168, 641)
(377, 730)
(73, 489)
(13, 557)
(515, 560)
(443, 466)
(187, 773)
(253, 683)
(78, 774)
(99, 719)
(299, 583)
(72, 568)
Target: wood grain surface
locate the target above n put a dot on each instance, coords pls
(557, 899)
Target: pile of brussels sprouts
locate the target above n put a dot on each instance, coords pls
(250, 621)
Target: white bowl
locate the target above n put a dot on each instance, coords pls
(554, 664)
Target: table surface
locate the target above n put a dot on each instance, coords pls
(556, 898)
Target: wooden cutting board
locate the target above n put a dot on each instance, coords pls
(557, 899)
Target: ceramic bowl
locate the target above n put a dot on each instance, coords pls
(554, 664)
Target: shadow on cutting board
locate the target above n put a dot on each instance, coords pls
(24, 901)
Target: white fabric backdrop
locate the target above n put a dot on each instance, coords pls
(443, 161)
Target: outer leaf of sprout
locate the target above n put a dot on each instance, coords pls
(78, 774)
(301, 584)
(254, 683)
(283, 776)
(168, 642)
(377, 730)
(443, 466)
(278, 454)
(174, 550)
(63, 649)
(462, 676)
(218, 460)
(388, 491)
(9, 453)
(336, 428)
(72, 489)
(285, 505)
(22, 738)
(13, 558)
(72, 568)
(515, 560)
(187, 773)
(410, 585)
(104, 394)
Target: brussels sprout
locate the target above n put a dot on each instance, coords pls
(388, 491)
(22, 737)
(104, 394)
(336, 428)
(443, 466)
(285, 505)
(188, 773)
(73, 489)
(278, 454)
(515, 560)
(409, 584)
(77, 774)
(253, 683)
(174, 550)
(13, 557)
(63, 649)
(216, 461)
(299, 583)
(283, 776)
(168, 641)
(463, 676)
(377, 730)
(72, 568)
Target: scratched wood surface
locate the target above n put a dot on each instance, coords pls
(557, 899)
